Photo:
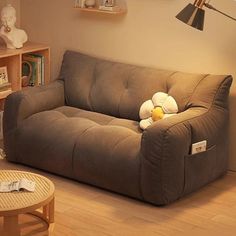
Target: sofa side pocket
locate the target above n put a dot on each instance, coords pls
(199, 170)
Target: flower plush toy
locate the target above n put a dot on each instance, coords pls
(159, 107)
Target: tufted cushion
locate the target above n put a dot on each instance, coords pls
(91, 147)
(118, 89)
(99, 118)
(90, 83)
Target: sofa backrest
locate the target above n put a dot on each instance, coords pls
(119, 89)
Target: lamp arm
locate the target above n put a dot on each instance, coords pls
(214, 9)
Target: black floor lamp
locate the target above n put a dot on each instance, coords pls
(194, 14)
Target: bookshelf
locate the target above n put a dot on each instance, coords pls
(117, 11)
(12, 59)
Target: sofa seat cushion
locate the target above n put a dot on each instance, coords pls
(99, 118)
(87, 146)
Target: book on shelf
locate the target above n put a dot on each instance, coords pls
(5, 93)
(37, 64)
(5, 86)
(5, 90)
(41, 67)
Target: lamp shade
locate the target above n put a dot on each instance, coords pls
(193, 16)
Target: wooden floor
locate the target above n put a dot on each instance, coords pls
(86, 211)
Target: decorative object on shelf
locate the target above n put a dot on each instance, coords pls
(27, 72)
(109, 5)
(3, 75)
(194, 14)
(13, 37)
(80, 3)
(90, 3)
(5, 86)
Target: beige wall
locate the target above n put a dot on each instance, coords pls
(2, 3)
(149, 35)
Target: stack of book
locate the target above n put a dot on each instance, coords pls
(5, 89)
(5, 86)
(37, 68)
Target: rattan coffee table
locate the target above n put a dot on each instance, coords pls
(14, 203)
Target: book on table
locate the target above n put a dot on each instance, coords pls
(17, 185)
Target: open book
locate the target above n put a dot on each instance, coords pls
(17, 185)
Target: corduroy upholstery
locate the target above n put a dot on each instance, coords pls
(85, 126)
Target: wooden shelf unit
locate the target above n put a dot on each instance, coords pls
(12, 59)
(119, 10)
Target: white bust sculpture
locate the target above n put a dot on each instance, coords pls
(13, 37)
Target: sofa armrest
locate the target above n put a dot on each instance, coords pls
(24, 103)
(167, 143)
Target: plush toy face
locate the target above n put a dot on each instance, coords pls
(157, 114)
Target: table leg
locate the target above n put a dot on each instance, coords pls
(51, 211)
(10, 226)
(45, 211)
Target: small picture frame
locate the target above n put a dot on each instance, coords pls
(108, 3)
(80, 3)
(3, 75)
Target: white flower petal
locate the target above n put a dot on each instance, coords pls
(146, 109)
(145, 123)
(159, 98)
(170, 106)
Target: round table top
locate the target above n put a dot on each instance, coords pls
(24, 201)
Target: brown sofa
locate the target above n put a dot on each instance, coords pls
(85, 126)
